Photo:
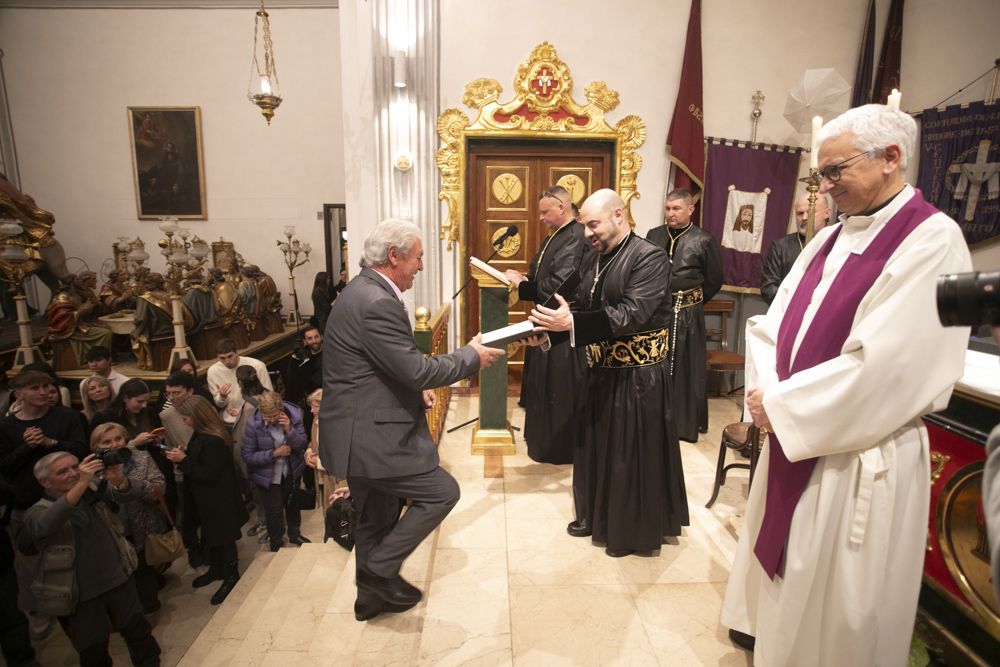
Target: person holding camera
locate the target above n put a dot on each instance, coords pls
(273, 448)
(839, 371)
(81, 562)
(140, 513)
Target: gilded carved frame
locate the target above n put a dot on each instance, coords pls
(542, 108)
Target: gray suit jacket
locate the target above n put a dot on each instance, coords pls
(371, 420)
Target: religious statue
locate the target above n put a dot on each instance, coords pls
(116, 294)
(71, 313)
(247, 291)
(227, 302)
(199, 299)
(268, 306)
(153, 319)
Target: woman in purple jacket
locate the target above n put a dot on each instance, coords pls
(273, 448)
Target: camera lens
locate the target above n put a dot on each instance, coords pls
(969, 299)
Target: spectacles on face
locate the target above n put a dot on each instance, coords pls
(833, 172)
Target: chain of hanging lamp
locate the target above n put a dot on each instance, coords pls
(268, 98)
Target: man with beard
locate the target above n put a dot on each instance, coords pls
(695, 265)
(552, 378)
(305, 371)
(622, 314)
(784, 251)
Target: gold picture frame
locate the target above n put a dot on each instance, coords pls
(168, 167)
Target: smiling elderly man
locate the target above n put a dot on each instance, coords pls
(839, 371)
(376, 386)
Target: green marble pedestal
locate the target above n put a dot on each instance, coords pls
(492, 436)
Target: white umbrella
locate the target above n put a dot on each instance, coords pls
(820, 92)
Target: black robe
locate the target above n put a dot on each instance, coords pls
(778, 262)
(639, 495)
(696, 262)
(550, 385)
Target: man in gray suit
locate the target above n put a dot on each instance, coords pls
(376, 386)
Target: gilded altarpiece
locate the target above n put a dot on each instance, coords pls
(542, 109)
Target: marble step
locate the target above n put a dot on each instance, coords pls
(217, 644)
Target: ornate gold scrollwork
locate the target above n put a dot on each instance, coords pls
(543, 107)
(938, 460)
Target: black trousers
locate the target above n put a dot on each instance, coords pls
(278, 512)
(14, 638)
(224, 560)
(382, 538)
(146, 584)
(90, 626)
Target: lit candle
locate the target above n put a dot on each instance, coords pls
(814, 147)
(893, 101)
(265, 85)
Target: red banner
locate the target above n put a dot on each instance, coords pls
(686, 139)
(887, 76)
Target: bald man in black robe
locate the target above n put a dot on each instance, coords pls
(622, 311)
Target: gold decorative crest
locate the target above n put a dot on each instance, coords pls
(542, 108)
(510, 246)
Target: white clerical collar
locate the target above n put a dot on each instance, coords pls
(395, 288)
(867, 227)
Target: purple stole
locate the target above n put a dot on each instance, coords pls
(827, 333)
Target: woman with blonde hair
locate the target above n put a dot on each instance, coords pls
(273, 445)
(97, 395)
(138, 496)
(211, 495)
(326, 482)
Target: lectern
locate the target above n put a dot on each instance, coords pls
(492, 436)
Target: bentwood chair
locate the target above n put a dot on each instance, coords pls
(739, 437)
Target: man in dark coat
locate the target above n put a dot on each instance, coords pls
(621, 315)
(783, 252)
(552, 378)
(695, 265)
(376, 386)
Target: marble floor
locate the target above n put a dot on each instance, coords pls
(504, 584)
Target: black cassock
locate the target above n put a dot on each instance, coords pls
(638, 480)
(696, 261)
(550, 385)
(778, 262)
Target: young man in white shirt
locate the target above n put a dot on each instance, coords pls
(222, 379)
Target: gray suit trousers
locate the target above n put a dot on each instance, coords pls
(383, 539)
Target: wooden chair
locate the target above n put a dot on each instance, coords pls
(736, 436)
(722, 360)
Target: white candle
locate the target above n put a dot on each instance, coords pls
(814, 147)
(265, 85)
(893, 101)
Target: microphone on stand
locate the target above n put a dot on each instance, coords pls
(509, 232)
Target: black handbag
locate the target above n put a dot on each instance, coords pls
(341, 516)
(302, 499)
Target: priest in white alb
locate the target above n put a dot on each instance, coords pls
(839, 372)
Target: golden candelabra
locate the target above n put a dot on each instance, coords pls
(291, 250)
(14, 256)
(184, 258)
(812, 182)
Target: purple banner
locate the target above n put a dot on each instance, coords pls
(960, 166)
(740, 181)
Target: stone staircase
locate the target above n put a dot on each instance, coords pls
(296, 607)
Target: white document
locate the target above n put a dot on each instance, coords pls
(486, 268)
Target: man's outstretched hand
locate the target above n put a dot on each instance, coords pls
(487, 355)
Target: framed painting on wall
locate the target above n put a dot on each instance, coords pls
(167, 164)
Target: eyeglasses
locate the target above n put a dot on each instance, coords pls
(833, 172)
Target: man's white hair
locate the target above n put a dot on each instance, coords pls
(41, 469)
(874, 127)
(391, 233)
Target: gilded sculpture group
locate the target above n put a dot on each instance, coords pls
(234, 299)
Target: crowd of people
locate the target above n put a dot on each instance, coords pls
(87, 490)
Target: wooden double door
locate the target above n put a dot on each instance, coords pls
(505, 181)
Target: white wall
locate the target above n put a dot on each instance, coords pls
(72, 73)
(637, 47)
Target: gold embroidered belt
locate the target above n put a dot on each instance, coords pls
(639, 349)
(687, 298)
